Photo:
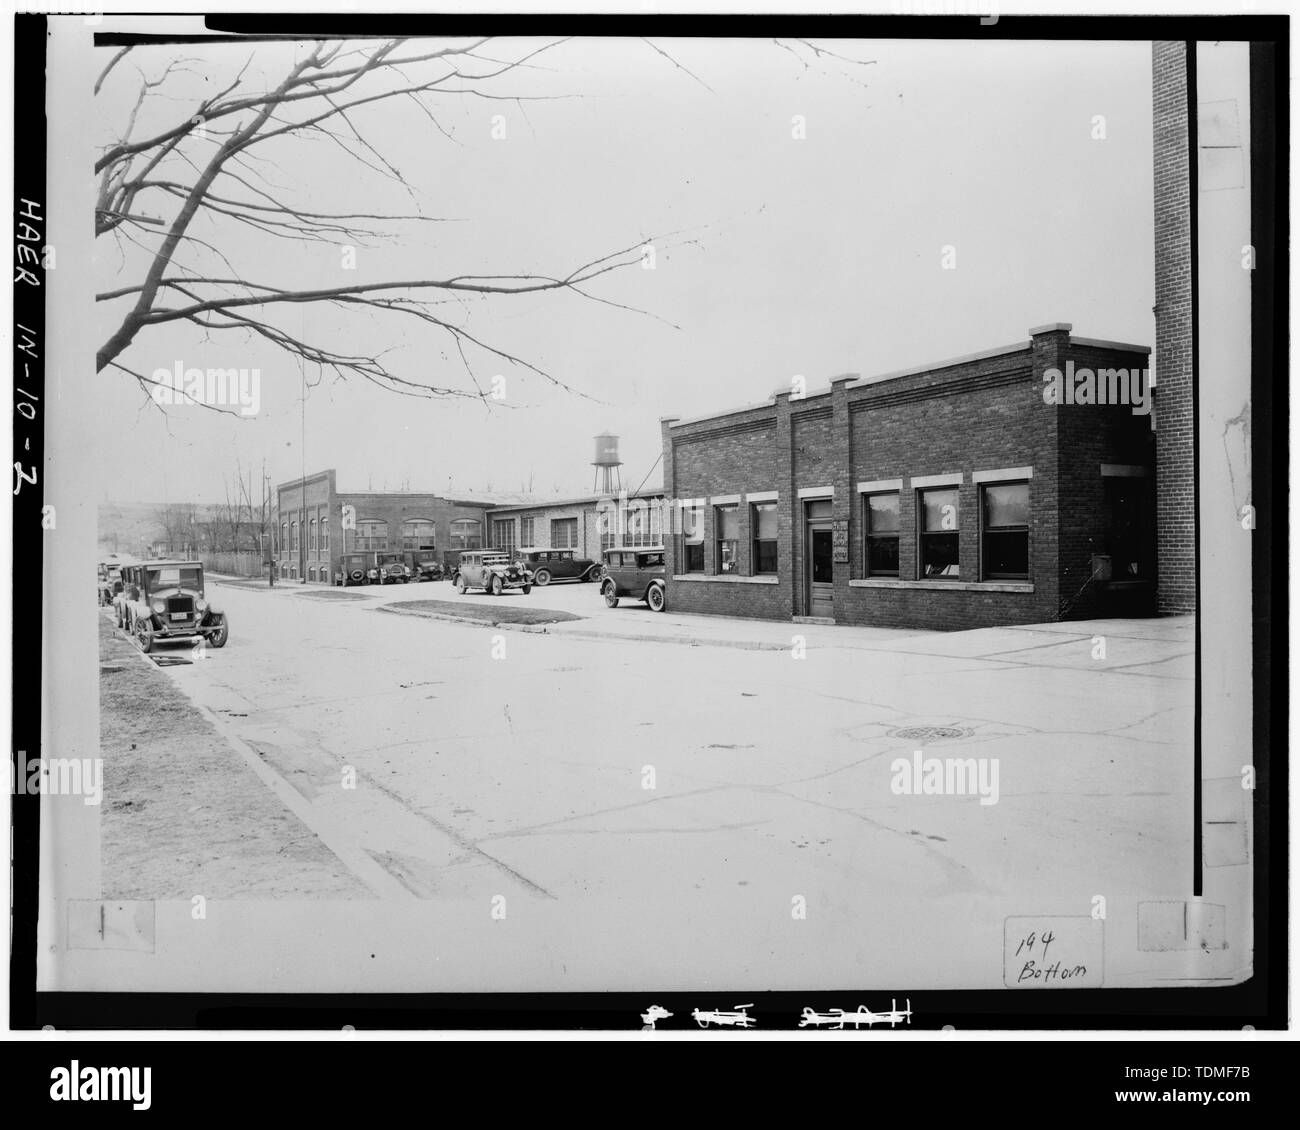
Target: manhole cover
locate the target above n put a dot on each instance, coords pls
(930, 733)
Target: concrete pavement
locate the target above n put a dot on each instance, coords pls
(680, 798)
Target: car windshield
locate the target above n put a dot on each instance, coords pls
(175, 576)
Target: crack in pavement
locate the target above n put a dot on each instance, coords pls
(461, 841)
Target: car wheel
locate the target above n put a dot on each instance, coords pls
(144, 636)
(497, 586)
(592, 574)
(358, 575)
(610, 593)
(655, 598)
(461, 586)
(542, 577)
(219, 637)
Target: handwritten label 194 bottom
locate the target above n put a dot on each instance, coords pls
(1053, 952)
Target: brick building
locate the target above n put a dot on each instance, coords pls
(1175, 447)
(587, 524)
(310, 538)
(960, 495)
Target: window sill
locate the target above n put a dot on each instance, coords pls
(728, 578)
(958, 586)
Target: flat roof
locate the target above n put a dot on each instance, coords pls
(897, 374)
(581, 500)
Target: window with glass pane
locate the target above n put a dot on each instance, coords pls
(1005, 531)
(727, 536)
(693, 539)
(503, 534)
(466, 533)
(881, 524)
(311, 540)
(939, 533)
(418, 533)
(564, 533)
(526, 536)
(297, 542)
(372, 533)
(763, 523)
(636, 524)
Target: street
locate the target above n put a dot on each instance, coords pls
(711, 764)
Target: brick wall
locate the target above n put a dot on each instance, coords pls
(1090, 436)
(396, 508)
(325, 504)
(584, 513)
(305, 502)
(1175, 500)
(987, 414)
(729, 455)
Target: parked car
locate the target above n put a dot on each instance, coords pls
(493, 571)
(423, 564)
(110, 582)
(637, 573)
(392, 569)
(549, 565)
(122, 597)
(357, 568)
(167, 601)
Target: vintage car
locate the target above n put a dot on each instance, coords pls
(357, 568)
(549, 565)
(493, 571)
(110, 582)
(391, 569)
(423, 564)
(636, 572)
(166, 601)
(122, 598)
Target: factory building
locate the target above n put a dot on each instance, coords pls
(1011, 486)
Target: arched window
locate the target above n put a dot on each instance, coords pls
(372, 533)
(311, 544)
(418, 533)
(296, 535)
(284, 537)
(466, 533)
(325, 539)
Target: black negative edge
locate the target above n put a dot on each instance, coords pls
(27, 583)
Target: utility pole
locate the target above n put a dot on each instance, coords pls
(268, 546)
(302, 491)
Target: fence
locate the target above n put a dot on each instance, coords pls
(245, 564)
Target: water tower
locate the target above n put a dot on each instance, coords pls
(607, 464)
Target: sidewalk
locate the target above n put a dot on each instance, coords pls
(1160, 647)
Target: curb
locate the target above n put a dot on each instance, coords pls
(474, 621)
(565, 633)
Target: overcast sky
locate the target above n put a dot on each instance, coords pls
(813, 256)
